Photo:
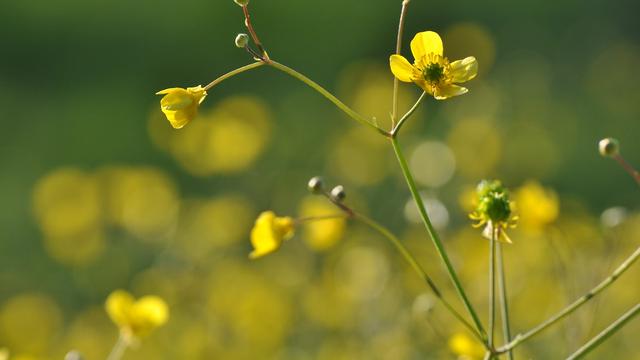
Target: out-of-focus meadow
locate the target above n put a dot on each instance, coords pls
(99, 193)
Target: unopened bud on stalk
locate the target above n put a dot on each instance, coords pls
(242, 2)
(609, 147)
(242, 40)
(315, 185)
(338, 194)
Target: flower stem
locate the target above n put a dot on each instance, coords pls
(346, 109)
(628, 167)
(404, 118)
(602, 336)
(396, 82)
(233, 73)
(118, 349)
(520, 338)
(502, 284)
(252, 32)
(416, 267)
(434, 236)
(492, 286)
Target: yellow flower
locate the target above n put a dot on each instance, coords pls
(181, 105)
(465, 347)
(537, 206)
(431, 70)
(136, 318)
(268, 233)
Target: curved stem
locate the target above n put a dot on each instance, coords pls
(602, 336)
(233, 73)
(394, 131)
(416, 267)
(346, 109)
(252, 32)
(396, 82)
(502, 285)
(492, 286)
(434, 236)
(628, 167)
(118, 349)
(520, 338)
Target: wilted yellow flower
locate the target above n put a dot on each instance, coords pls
(431, 70)
(181, 105)
(537, 206)
(268, 233)
(465, 347)
(136, 318)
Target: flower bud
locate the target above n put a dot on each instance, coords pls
(242, 40)
(242, 2)
(315, 185)
(609, 147)
(338, 194)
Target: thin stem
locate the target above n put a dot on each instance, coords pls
(605, 334)
(492, 285)
(233, 73)
(118, 349)
(320, 218)
(394, 131)
(502, 285)
(252, 32)
(628, 167)
(434, 236)
(347, 110)
(416, 267)
(520, 338)
(396, 82)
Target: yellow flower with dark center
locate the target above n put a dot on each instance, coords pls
(136, 318)
(269, 232)
(181, 105)
(431, 70)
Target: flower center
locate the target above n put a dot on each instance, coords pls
(433, 73)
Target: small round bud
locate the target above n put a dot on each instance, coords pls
(242, 40)
(338, 194)
(609, 147)
(73, 355)
(315, 185)
(242, 2)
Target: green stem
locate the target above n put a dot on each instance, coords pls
(233, 73)
(346, 109)
(118, 349)
(605, 334)
(416, 267)
(520, 338)
(404, 118)
(502, 285)
(396, 82)
(492, 286)
(434, 236)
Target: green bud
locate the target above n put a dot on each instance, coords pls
(242, 40)
(493, 201)
(338, 194)
(242, 2)
(315, 185)
(609, 147)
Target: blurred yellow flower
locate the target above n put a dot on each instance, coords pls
(136, 318)
(465, 347)
(537, 206)
(268, 233)
(181, 105)
(431, 70)
(321, 234)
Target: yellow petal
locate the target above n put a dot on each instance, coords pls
(263, 237)
(148, 313)
(118, 305)
(401, 68)
(463, 70)
(447, 91)
(425, 43)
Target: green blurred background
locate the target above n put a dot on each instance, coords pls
(99, 193)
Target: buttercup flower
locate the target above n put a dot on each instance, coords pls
(431, 70)
(493, 209)
(136, 318)
(269, 232)
(181, 105)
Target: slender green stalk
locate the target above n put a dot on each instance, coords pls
(434, 236)
(404, 118)
(628, 167)
(233, 73)
(416, 267)
(492, 286)
(347, 110)
(118, 349)
(520, 338)
(605, 334)
(396, 82)
(502, 285)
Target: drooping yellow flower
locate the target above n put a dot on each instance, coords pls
(181, 105)
(136, 318)
(269, 232)
(431, 70)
